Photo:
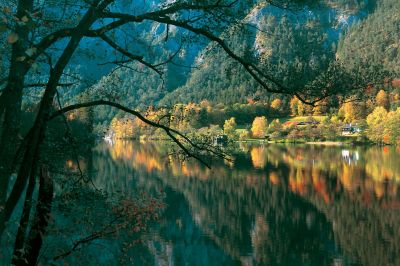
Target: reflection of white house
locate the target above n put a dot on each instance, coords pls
(109, 138)
(349, 129)
(350, 156)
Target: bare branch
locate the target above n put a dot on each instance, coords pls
(33, 85)
(254, 71)
(170, 58)
(162, 16)
(128, 54)
(63, 33)
(115, 62)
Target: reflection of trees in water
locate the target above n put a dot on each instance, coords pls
(251, 214)
(370, 235)
(181, 240)
(258, 222)
(364, 208)
(188, 245)
(231, 205)
(384, 163)
(375, 176)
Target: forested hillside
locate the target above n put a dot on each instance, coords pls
(349, 45)
(375, 41)
(300, 43)
(298, 48)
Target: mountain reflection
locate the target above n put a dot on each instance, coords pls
(274, 205)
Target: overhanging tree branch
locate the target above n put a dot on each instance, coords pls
(251, 68)
(267, 81)
(50, 39)
(174, 134)
(129, 54)
(33, 85)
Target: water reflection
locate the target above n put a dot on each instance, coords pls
(275, 205)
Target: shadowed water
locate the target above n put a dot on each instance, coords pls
(273, 205)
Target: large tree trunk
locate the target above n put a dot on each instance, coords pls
(37, 132)
(11, 100)
(34, 241)
(25, 218)
(30, 151)
(9, 138)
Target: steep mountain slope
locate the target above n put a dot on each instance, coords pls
(294, 46)
(375, 42)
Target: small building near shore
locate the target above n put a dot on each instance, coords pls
(221, 140)
(350, 129)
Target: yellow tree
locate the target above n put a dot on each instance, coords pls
(391, 131)
(230, 128)
(116, 128)
(348, 111)
(303, 109)
(376, 122)
(395, 99)
(300, 108)
(276, 104)
(293, 105)
(259, 127)
(382, 99)
(129, 128)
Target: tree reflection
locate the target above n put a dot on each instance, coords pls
(277, 204)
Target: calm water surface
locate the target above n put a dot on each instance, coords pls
(273, 205)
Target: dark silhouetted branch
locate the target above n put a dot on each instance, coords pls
(172, 133)
(128, 54)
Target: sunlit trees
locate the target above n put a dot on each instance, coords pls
(383, 126)
(303, 109)
(392, 132)
(382, 99)
(330, 128)
(293, 105)
(230, 128)
(352, 111)
(347, 111)
(376, 122)
(259, 127)
(211, 131)
(321, 108)
(395, 100)
(276, 104)
(124, 128)
(244, 134)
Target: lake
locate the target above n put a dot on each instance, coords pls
(272, 205)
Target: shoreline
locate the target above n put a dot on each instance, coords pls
(255, 141)
(321, 143)
(327, 143)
